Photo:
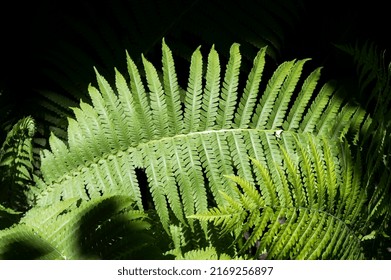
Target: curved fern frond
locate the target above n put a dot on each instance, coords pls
(17, 165)
(281, 218)
(132, 127)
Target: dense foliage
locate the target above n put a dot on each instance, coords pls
(206, 154)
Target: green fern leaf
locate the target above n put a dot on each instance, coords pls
(282, 102)
(267, 102)
(230, 87)
(295, 115)
(157, 100)
(272, 218)
(247, 102)
(317, 107)
(193, 103)
(212, 91)
(171, 88)
(128, 128)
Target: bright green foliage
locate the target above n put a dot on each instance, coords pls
(134, 127)
(309, 205)
(304, 199)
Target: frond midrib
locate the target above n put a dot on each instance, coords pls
(78, 169)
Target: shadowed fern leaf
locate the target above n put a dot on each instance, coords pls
(374, 84)
(102, 228)
(17, 165)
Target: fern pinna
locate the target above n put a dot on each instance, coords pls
(186, 139)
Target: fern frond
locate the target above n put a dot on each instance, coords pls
(282, 102)
(178, 241)
(277, 220)
(374, 75)
(67, 66)
(374, 88)
(315, 111)
(21, 243)
(330, 113)
(112, 109)
(141, 105)
(128, 128)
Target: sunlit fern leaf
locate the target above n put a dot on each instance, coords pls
(229, 88)
(171, 88)
(208, 253)
(249, 98)
(16, 165)
(272, 215)
(300, 104)
(133, 127)
(103, 228)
